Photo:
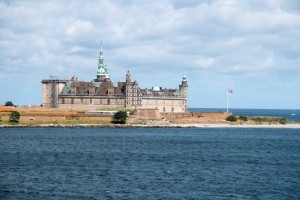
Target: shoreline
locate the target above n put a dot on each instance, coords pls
(289, 126)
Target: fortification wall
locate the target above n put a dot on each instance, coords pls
(90, 102)
(164, 104)
(147, 113)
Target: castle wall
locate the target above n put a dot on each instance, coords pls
(46, 94)
(165, 104)
(90, 102)
(147, 113)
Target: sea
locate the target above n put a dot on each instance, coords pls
(149, 163)
(290, 114)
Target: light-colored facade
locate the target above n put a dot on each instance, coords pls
(103, 93)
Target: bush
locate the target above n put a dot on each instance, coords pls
(14, 117)
(119, 118)
(283, 121)
(231, 118)
(257, 120)
(243, 118)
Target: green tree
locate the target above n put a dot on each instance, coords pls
(14, 117)
(8, 103)
(119, 118)
(231, 118)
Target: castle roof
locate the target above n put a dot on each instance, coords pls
(155, 92)
(101, 88)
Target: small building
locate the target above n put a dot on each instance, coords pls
(103, 93)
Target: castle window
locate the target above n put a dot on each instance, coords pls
(72, 101)
(63, 100)
(91, 101)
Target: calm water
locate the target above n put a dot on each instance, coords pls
(150, 163)
(285, 113)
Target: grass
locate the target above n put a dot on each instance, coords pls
(269, 120)
(64, 122)
(5, 113)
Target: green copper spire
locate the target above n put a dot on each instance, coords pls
(102, 69)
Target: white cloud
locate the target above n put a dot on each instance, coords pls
(220, 42)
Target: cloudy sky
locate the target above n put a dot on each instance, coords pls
(250, 46)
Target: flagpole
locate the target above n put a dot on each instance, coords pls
(227, 100)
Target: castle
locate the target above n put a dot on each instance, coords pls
(103, 93)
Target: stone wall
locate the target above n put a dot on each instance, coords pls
(165, 104)
(147, 113)
(90, 102)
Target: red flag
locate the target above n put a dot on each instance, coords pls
(230, 91)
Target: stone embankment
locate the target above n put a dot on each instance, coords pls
(291, 126)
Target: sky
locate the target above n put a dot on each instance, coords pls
(249, 46)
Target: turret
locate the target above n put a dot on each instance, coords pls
(184, 82)
(183, 87)
(183, 91)
(128, 77)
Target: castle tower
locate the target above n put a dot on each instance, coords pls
(132, 93)
(51, 89)
(183, 91)
(102, 72)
